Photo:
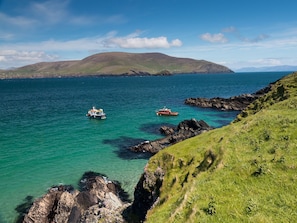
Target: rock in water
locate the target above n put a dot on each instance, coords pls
(185, 129)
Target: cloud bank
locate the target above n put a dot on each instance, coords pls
(136, 43)
(214, 38)
(16, 55)
(221, 38)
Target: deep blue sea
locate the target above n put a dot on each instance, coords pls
(46, 138)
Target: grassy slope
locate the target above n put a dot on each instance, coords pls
(253, 177)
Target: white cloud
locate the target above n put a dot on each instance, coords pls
(18, 21)
(137, 42)
(229, 29)
(242, 38)
(51, 11)
(176, 42)
(56, 12)
(260, 62)
(14, 58)
(256, 39)
(266, 62)
(54, 45)
(15, 55)
(6, 36)
(92, 43)
(214, 38)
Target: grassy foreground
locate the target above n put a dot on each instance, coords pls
(243, 172)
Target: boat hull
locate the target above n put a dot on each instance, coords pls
(97, 117)
(167, 113)
(96, 113)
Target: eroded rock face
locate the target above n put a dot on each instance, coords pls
(146, 194)
(98, 199)
(185, 129)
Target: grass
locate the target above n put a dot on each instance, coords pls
(250, 175)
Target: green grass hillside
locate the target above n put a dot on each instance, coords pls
(243, 172)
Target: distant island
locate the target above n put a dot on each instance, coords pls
(288, 68)
(116, 63)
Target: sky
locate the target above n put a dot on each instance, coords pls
(233, 33)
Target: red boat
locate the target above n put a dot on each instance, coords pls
(166, 111)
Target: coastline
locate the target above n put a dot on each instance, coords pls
(50, 117)
(121, 207)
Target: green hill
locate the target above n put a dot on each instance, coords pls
(243, 172)
(117, 63)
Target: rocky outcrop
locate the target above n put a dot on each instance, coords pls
(98, 199)
(236, 103)
(146, 194)
(185, 129)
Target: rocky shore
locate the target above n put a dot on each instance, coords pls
(185, 129)
(97, 200)
(100, 199)
(236, 103)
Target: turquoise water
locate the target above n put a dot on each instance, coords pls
(46, 139)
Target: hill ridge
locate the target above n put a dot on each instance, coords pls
(117, 63)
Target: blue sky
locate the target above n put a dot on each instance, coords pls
(234, 33)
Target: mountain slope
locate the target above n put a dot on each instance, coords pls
(117, 63)
(243, 172)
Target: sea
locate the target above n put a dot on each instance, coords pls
(46, 138)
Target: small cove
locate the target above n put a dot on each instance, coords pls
(46, 139)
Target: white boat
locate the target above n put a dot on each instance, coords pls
(96, 113)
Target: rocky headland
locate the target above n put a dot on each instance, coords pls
(184, 130)
(236, 103)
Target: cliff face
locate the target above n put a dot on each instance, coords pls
(245, 171)
(117, 63)
(146, 193)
